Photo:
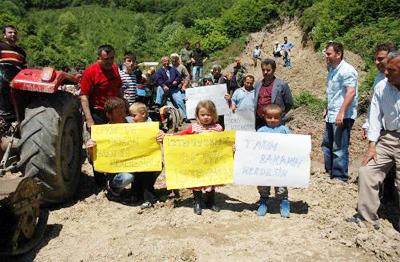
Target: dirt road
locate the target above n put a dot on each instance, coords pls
(96, 229)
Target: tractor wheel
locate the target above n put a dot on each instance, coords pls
(51, 144)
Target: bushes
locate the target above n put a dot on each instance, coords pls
(311, 102)
(248, 16)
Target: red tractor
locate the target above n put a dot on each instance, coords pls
(41, 155)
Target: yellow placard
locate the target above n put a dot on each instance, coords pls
(199, 160)
(126, 147)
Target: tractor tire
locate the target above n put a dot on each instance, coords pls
(51, 144)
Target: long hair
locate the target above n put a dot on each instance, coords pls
(211, 108)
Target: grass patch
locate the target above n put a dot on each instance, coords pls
(227, 55)
(311, 102)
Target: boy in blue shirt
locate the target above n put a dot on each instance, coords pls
(273, 119)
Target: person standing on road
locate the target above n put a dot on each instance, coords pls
(271, 90)
(12, 60)
(183, 72)
(380, 58)
(256, 54)
(186, 54)
(198, 58)
(384, 145)
(131, 77)
(341, 112)
(286, 48)
(100, 81)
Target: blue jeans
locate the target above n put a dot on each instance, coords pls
(177, 98)
(335, 146)
(197, 70)
(121, 180)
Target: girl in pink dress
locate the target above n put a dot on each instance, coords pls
(207, 118)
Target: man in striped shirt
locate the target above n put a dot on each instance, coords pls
(12, 60)
(131, 76)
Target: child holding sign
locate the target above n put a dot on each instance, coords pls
(114, 108)
(143, 186)
(207, 118)
(273, 119)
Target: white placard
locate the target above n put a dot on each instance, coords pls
(214, 93)
(266, 159)
(240, 120)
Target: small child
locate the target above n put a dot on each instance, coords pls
(242, 98)
(207, 118)
(273, 119)
(114, 108)
(143, 185)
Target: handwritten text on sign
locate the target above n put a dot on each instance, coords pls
(240, 120)
(265, 159)
(199, 160)
(126, 147)
(214, 93)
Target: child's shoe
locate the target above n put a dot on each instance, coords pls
(210, 201)
(197, 202)
(146, 204)
(285, 208)
(262, 208)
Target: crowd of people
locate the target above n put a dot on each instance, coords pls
(109, 92)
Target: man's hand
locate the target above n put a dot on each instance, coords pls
(371, 154)
(364, 134)
(165, 88)
(89, 123)
(227, 97)
(90, 146)
(175, 83)
(339, 119)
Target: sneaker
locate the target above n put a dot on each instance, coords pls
(262, 208)
(360, 221)
(285, 208)
(146, 204)
(112, 191)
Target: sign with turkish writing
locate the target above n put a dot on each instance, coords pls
(266, 159)
(126, 147)
(199, 160)
(240, 120)
(214, 93)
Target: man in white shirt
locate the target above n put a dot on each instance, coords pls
(380, 59)
(384, 146)
(256, 55)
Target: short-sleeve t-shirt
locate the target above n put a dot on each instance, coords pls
(98, 85)
(244, 99)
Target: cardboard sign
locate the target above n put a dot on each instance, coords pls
(199, 160)
(126, 147)
(214, 93)
(266, 159)
(240, 121)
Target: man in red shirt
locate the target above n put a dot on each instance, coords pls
(99, 81)
(271, 90)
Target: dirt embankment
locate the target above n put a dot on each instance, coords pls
(96, 229)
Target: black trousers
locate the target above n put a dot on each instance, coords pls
(143, 186)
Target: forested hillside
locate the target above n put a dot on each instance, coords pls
(61, 33)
